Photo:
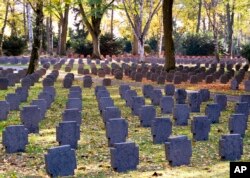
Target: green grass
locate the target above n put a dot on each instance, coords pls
(93, 157)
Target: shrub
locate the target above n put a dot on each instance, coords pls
(245, 51)
(14, 46)
(198, 45)
(111, 45)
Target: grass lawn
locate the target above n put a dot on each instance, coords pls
(93, 157)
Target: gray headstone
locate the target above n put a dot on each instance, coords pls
(74, 103)
(247, 85)
(99, 88)
(23, 93)
(68, 133)
(4, 110)
(47, 97)
(67, 82)
(137, 103)
(146, 90)
(231, 147)
(169, 90)
(180, 96)
(4, 83)
(76, 88)
(26, 82)
(205, 95)
(87, 82)
(128, 97)
(212, 111)
(155, 97)
(124, 156)
(234, 85)
(14, 101)
(242, 108)
(200, 128)
(42, 105)
(221, 100)
(181, 114)
(60, 161)
(167, 105)
(102, 93)
(105, 102)
(245, 98)
(30, 117)
(73, 115)
(106, 82)
(111, 113)
(75, 94)
(147, 114)
(116, 131)
(238, 124)
(48, 82)
(15, 138)
(178, 150)
(161, 129)
(123, 89)
(51, 90)
(194, 100)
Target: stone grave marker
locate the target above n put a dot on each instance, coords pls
(161, 129)
(42, 105)
(181, 114)
(238, 124)
(200, 128)
(4, 83)
(74, 103)
(180, 96)
(111, 113)
(242, 108)
(137, 103)
(167, 104)
(194, 100)
(169, 90)
(14, 101)
(146, 114)
(212, 111)
(73, 115)
(221, 99)
(4, 110)
(156, 96)
(147, 90)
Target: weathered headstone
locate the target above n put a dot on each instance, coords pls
(180, 96)
(221, 100)
(74, 103)
(111, 113)
(123, 89)
(169, 90)
(105, 102)
(178, 150)
(146, 114)
(181, 114)
(42, 105)
(242, 108)
(212, 111)
(14, 101)
(75, 94)
(194, 100)
(116, 131)
(73, 115)
(147, 90)
(238, 124)
(15, 138)
(161, 129)
(60, 161)
(205, 95)
(231, 147)
(156, 96)
(167, 104)
(200, 128)
(47, 97)
(4, 83)
(48, 82)
(68, 133)
(124, 156)
(23, 93)
(128, 96)
(4, 110)
(137, 103)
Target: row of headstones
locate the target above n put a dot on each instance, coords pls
(13, 100)
(14, 60)
(124, 154)
(161, 128)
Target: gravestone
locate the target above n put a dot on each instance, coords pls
(137, 103)
(47, 97)
(161, 129)
(68, 133)
(116, 131)
(4, 83)
(111, 113)
(99, 88)
(51, 90)
(167, 104)
(48, 82)
(147, 90)
(200, 128)
(76, 88)
(30, 117)
(74, 103)
(234, 85)
(105, 102)
(75, 94)
(242, 108)
(60, 161)
(23, 93)
(42, 105)
(123, 89)
(124, 156)
(146, 114)
(4, 110)
(205, 95)
(87, 81)
(15, 138)
(209, 79)
(128, 96)
(26, 82)
(181, 114)
(221, 100)
(106, 82)
(194, 100)
(245, 98)
(67, 82)
(14, 101)
(73, 115)
(102, 93)
(212, 111)
(169, 90)
(155, 97)
(180, 96)
(178, 150)
(247, 85)
(238, 124)
(231, 147)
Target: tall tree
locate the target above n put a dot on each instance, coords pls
(93, 21)
(168, 34)
(230, 23)
(4, 26)
(199, 17)
(34, 58)
(137, 9)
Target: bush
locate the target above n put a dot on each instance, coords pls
(153, 44)
(245, 51)
(198, 45)
(127, 46)
(14, 46)
(147, 49)
(111, 46)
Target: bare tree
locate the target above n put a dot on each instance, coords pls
(4, 26)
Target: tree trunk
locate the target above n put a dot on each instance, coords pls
(168, 35)
(3, 28)
(135, 47)
(59, 37)
(64, 31)
(141, 49)
(96, 54)
(112, 22)
(34, 58)
(29, 23)
(160, 39)
(199, 17)
(230, 23)
(25, 21)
